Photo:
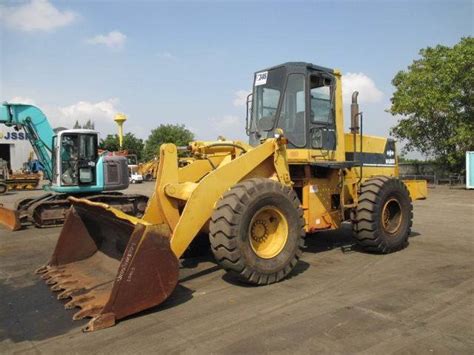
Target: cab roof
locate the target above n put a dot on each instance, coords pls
(299, 66)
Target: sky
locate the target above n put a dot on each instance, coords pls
(192, 62)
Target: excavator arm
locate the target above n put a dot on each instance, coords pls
(37, 127)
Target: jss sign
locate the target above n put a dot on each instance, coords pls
(13, 136)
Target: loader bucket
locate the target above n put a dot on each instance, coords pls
(110, 264)
(9, 218)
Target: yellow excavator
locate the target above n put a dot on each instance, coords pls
(299, 173)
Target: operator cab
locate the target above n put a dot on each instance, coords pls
(298, 98)
(75, 157)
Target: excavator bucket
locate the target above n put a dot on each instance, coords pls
(109, 264)
(9, 218)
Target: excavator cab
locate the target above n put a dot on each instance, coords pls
(299, 98)
(75, 158)
(77, 165)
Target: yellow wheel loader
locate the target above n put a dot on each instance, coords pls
(299, 173)
(148, 169)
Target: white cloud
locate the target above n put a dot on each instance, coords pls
(167, 55)
(113, 39)
(228, 126)
(35, 15)
(226, 122)
(368, 92)
(240, 98)
(102, 111)
(21, 100)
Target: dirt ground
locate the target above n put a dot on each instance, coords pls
(338, 299)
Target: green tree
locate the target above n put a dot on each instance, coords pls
(89, 125)
(131, 143)
(435, 98)
(166, 133)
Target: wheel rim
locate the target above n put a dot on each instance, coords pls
(268, 232)
(392, 216)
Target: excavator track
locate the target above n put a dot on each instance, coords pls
(52, 213)
(49, 210)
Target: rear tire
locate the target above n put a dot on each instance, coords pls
(383, 218)
(257, 231)
(3, 188)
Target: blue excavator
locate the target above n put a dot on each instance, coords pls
(74, 167)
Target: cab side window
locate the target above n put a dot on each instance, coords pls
(321, 106)
(322, 131)
(292, 115)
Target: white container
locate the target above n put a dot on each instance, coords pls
(469, 170)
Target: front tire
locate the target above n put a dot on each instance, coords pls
(257, 231)
(383, 218)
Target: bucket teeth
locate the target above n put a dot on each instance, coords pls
(47, 268)
(58, 278)
(78, 301)
(54, 273)
(88, 311)
(42, 269)
(63, 285)
(51, 281)
(68, 293)
(57, 287)
(100, 321)
(47, 275)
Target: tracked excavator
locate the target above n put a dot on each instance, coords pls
(73, 166)
(299, 173)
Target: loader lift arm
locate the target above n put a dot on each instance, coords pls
(97, 239)
(37, 127)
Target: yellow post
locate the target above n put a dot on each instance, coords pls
(120, 119)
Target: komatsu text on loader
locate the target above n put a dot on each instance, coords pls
(73, 166)
(300, 173)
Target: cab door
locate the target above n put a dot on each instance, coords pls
(321, 113)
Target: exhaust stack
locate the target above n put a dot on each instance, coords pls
(355, 113)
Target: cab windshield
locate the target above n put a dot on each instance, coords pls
(77, 151)
(268, 88)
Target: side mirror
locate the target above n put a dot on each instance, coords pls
(248, 113)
